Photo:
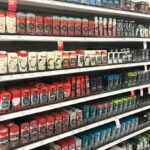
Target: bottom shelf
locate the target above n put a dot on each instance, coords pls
(123, 138)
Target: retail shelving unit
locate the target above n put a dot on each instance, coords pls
(59, 5)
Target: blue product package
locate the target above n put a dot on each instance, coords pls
(110, 109)
(92, 2)
(91, 140)
(96, 138)
(93, 85)
(120, 106)
(136, 120)
(104, 110)
(116, 82)
(108, 133)
(102, 136)
(98, 112)
(86, 114)
(122, 130)
(110, 83)
(85, 141)
(104, 3)
(92, 113)
(98, 3)
(127, 126)
(117, 133)
(132, 124)
(77, 1)
(113, 131)
(69, 0)
(85, 2)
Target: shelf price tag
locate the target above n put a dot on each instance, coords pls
(117, 123)
(60, 45)
(12, 5)
(132, 93)
(145, 68)
(148, 90)
(144, 44)
(141, 92)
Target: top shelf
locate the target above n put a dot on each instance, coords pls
(80, 8)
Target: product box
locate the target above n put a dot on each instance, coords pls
(71, 143)
(82, 82)
(48, 25)
(93, 86)
(80, 59)
(58, 59)
(2, 20)
(63, 144)
(12, 62)
(56, 25)
(78, 143)
(42, 60)
(24, 133)
(53, 146)
(21, 23)
(85, 27)
(33, 130)
(60, 91)
(32, 61)
(99, 85)
(3, 62)
(67, 90)
(91, 28)
(15, 98)
(66, 59)
(98, 57)
(98, 112)
(78, 86)
(104, 56)
(77, 27)
(73, 59)
(30, 23)
(93, 58)
(92, 113)
(64, 26)
(87, 58)
(39, 21)
(44, 94)
(71, 26)
(35, 96)
(4, 140)
(73, 87)
(50, 60)
(5, 99)
(10, 22)
(52, 93)
(22, 60)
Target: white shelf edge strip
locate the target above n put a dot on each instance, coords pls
(124, 139)
(80, 8)
(66, 103)
(68, 39)
(81, 129)
(68, 71)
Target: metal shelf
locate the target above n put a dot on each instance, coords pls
(11, 77)
(13, 38)
(123, 139)
(85, 128)
(22, 113)
(80, 8)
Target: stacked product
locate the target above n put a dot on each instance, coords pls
(20, 23)
(33, 94)
(131, 5)
(23, 61)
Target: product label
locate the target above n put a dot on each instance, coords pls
(12, 5)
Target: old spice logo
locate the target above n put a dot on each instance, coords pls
(43, 56)
(33, 57)
(13, 57)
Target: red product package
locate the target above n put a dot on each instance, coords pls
(2, 24)
(24, 132)
(30, 23)
(77, 27)
(5, 98)
(85, 27)
(4, 139)
(60, 92)
(15, 98)
(21, 23)
(65, 120)
(96, 26)
(3, 62)
(71, 26)
(53, 146)
(39, 25)
(105, 26)
(110, 27)
(42, 126)
(73, 59)
(34, 130)
(114, 27)
(9, 123)
(67, 79)
(25, 97)
(67, 90)
(56, 25)
(100, 26)
(49, 124)
(79, 115)
(91, 28)
(64, 26)
(73, 87)
(14, 135)
(71, 143)
(35, 96)
(78, 86)
(52, 93)
(48, 25)
(82, 85)
(58, 122)
(87, 85)
(63, 144)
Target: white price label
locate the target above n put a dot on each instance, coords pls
(145, 68)
(141, 92)
(117, 122)
(148, 90)
(145, 45)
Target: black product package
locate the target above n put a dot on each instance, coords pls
(93, 85)
(99, 84)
